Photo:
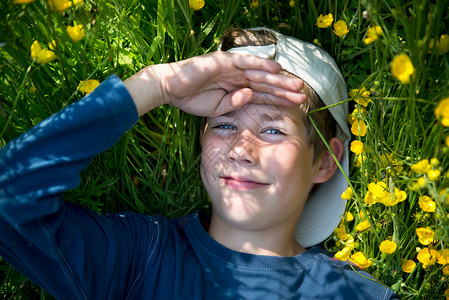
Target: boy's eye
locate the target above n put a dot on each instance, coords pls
(273, 130)
(225, 126)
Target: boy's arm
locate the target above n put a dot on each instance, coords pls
(62, 247)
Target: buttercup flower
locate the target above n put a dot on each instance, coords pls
(402, 68)
(443, 257)
(197, 4)
(442, 111)
(426, 204)
(362, 226)
(347, 195)
(442, 44)
(52, 45)
(349, 217)
(291, 3)
(340, 28)
(433, 174)
(23, 1)
(361, 96)
(372, 34)
(358, 128)
(59, 5)
(344, 253)
(425, 235)
(76, 32)
(340, 231)
(393, 199)
(387, 247)
(357, 147)
(446, 293)
(360, 260)
(88, 86)
(446, 270)
(427, 257)
(78, 2)
(324, 21)
(42, 56)
(408, 266)
(421, 166)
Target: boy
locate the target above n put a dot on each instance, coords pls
(258, 166)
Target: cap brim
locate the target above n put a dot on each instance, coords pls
(323, 211)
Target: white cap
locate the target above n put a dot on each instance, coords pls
(323, 210)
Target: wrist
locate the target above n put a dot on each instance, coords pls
(145, 88)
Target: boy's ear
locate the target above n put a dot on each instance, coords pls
(326, 163)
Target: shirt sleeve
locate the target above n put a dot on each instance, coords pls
(71, 252)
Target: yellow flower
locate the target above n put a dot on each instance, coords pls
(442, 111)
(446, 270)
(433, 175)
(408, 266)
(361, 96)
(52, 45)
(197, 4)
(421, 166)
(76, 32)
(446, 293)
(426, 204)
(347, 195)
(360, 260)
(59, 5)
(360, 158)
(324, 21)
(42, 56)
(357, 147)
(362, 226)
(358, 113)
(340, 231)
(443, 44)
(344, 253)
(427, 257)
(425, 235)
(443, 257)
(393, 199)
(372, 34)
(88, 86)
(402, 68)
(254, 3)
(291, 3)
(358, 128)
(23, 1)
(340, 28)
(78, 2)
(349, 217)
(33, 90)
(388, 247)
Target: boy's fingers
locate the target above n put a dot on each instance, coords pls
(291, 100)
(278, 80)
(247, 62)
(280, 95)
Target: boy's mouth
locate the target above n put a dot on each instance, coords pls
(242, 183)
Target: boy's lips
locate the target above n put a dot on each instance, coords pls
(242, 183)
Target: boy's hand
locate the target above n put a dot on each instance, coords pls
(213, 84)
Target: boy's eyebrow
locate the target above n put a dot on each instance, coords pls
(276, 117)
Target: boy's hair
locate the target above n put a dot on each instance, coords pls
(323, 119)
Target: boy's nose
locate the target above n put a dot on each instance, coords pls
(243, 149)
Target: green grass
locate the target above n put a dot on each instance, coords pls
(154, 167)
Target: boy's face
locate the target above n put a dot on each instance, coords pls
(257, 167)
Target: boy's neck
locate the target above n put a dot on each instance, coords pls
(271, 242)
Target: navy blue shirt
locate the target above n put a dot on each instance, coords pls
(74, 253)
